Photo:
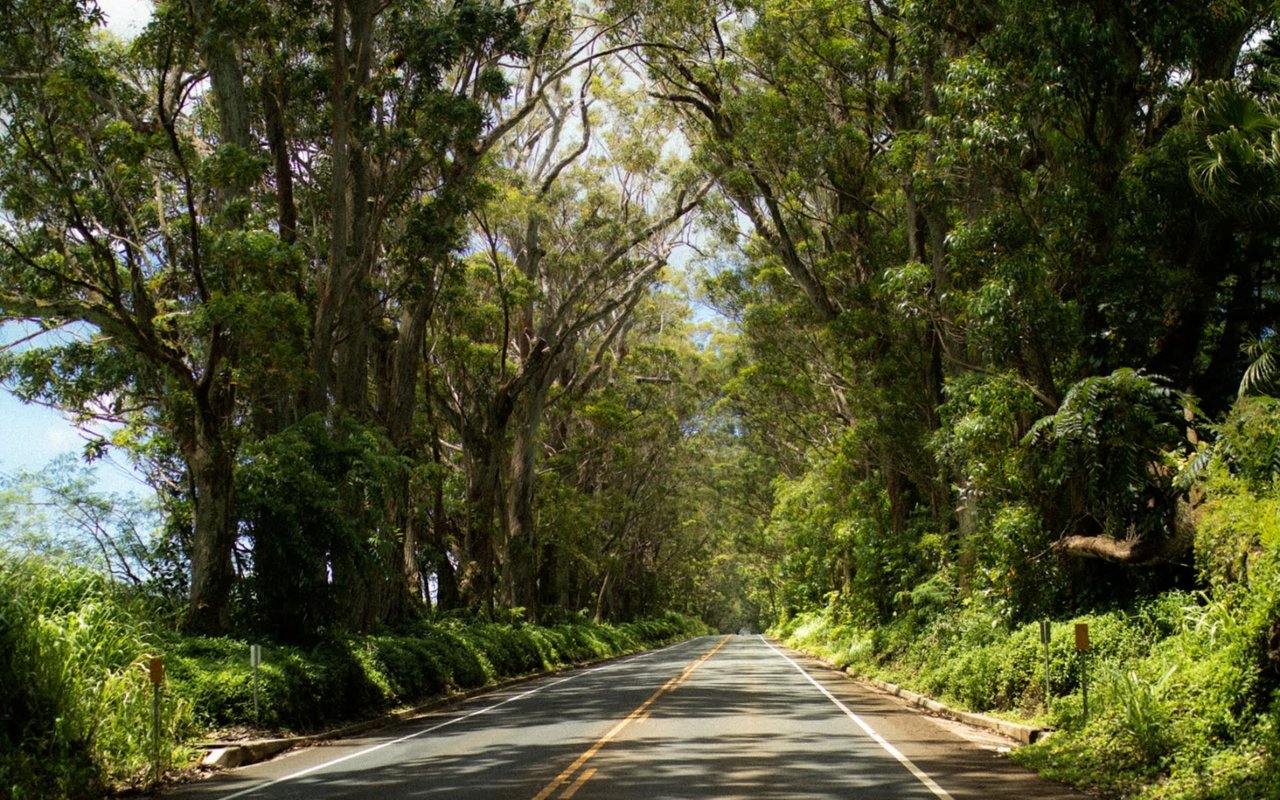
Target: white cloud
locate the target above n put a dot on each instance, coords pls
(126, 18)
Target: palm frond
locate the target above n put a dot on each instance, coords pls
(1275, 457)
(1262, 367)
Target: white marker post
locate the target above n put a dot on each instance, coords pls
(255, 659)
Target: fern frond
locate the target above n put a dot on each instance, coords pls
(1262, 367)
(1036, 435)
(1193, 469)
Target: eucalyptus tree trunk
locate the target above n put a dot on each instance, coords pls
(212, 469)
(339, 357)
(478, 545)
(523, 546)
(206, 439)
(210, 455)
(398, 404)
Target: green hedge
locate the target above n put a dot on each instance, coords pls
(304, 689)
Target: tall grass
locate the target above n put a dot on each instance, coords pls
(76, 699)
(1141, 714)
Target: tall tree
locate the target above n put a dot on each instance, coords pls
(120, 216)
(574, 244)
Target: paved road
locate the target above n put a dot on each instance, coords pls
(731, 717)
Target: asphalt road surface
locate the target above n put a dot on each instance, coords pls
(716, 717)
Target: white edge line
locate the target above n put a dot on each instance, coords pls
(316, 768)
(920, 775)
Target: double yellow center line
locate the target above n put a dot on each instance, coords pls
(640, 712)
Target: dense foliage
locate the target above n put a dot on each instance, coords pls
(77, 699)
(997, 275)
(379, 297)
(355, 287)
(74, 688)
(1006, 284)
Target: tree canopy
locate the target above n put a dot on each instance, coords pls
(390, 299)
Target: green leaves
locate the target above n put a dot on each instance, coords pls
(1114, 436)
(1238, 165)
(313, 500)
(1263, 369)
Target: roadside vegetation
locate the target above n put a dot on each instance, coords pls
(1181, 690)
(379, 298)
(359, 676)
(77, 698)
(1184, 683)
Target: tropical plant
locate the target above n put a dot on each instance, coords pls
(1109, 449)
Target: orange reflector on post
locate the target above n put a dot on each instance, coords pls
(157, 670)
(1082, 636)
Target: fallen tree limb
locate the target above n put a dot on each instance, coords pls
(1137, 551)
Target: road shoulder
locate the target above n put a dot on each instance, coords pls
(969, 760)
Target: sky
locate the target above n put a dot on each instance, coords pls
(126, 17)
(31, 436)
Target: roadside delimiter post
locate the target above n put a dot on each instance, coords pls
(1082, 647)
(156, 673)
(255, 658)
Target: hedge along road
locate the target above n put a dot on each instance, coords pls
(731, 717)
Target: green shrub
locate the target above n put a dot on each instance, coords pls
(306, 689)
(403, 667)
(298, 689)
(76, 699)
(507, 649)
(464, 661)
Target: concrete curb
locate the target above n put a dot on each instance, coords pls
(229, 755)
(1024, 734)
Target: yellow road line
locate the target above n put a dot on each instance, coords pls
(560, 779)
(573, 789)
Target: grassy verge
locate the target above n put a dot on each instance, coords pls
(76, 702)
(1183, 694)
(75, 699)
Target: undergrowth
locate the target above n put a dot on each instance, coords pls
(303, 689)
(1184, 687)
(1184, 691)
(76, 699)
(1183, 699)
